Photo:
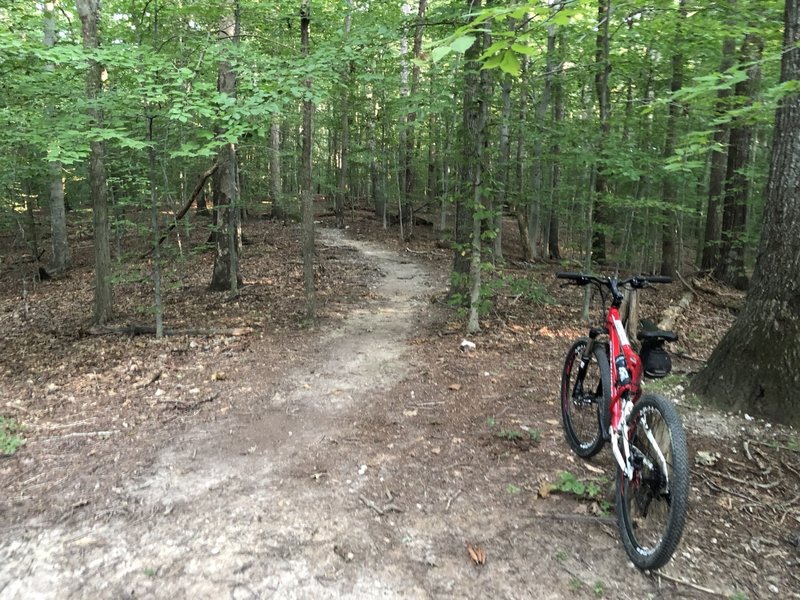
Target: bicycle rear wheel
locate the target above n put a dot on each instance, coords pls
(651, 506)
(585, 396)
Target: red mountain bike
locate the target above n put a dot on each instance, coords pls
(602, 400)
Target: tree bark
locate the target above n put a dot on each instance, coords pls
(58, 213)
(719, 159)
(558, 118)
(308, 199)
(754, 368)
(459, 285)
(601, 184)
(344, 154)
(89, 13)
(501, 198)
(669, 190)
(730, 265)
(226, 199)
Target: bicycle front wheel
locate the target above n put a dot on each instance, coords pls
(585, 396)
(652, 505)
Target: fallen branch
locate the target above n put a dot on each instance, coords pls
(133, 330)
(580, 518)
(183, 404)
(694, 586)
(78, 434)
(201, 182)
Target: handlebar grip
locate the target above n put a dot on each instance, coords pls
(658, 279)
(577, 278)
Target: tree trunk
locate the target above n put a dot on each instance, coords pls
(344, 155)
(308, 199)
(89, 13)
(226, 200)
(459, 285)
(754, 368)
(280, 203)
(500, 200)
(558, 119)
(601, 185)
(730, 265)
(478, 138)
(58, 214)
(669, 190)
(719, 159)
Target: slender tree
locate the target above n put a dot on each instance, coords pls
(58, 215)
(669, 189)
(308, 199)
(754, 367)
(601, 179)
(89, 13)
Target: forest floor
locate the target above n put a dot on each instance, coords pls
(247, 456)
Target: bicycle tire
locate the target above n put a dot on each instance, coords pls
(647, 499)
(582, 405)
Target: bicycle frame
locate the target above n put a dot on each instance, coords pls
(626, 379)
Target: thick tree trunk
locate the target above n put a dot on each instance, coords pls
(308, 199)
(89, 13)
(669, 190)
(730, 265)
(719, 159)
(754, 368)
(226, 199)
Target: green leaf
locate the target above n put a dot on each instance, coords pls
(440, 52)
(463, 43)
(510, 63)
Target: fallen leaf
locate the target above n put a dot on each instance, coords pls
(477, 554)
(410, 413)
(217, 376)
(594, 469)
(436, 450)
(545, 487)
(455, 386)
(551, 421)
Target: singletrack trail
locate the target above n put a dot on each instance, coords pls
(295, 500)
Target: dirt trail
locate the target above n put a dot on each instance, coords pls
(298, 500)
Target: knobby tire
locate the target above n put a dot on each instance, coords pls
(651, 510)
(585, 397)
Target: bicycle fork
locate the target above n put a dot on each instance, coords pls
(625, 463)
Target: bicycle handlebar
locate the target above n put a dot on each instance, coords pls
(635, 281)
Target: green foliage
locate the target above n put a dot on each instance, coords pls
(513, 489)
(585, 489)
(599, 589)
(10, 438)
(522, 434)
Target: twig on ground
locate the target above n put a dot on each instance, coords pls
(370, 504)
(694, 586)
(581, 518)
(451, 499)
(80, 434)
(719, 488)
